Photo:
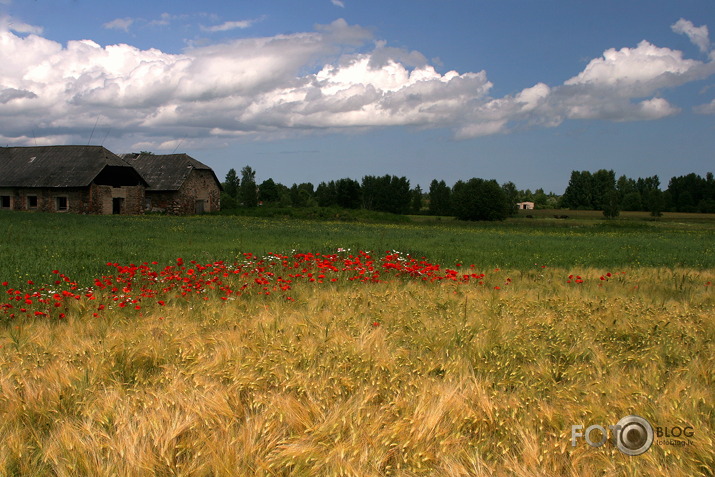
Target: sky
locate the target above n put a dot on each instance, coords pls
(316, 90)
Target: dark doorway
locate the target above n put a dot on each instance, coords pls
(117, 205)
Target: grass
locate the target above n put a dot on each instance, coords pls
(32, 244)
(398, 378)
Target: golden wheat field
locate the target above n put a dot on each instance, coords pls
(401, 378)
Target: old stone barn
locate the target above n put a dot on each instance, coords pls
(81, 179)
(178, 183)
(93, 180)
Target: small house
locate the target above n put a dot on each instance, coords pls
(525, 205)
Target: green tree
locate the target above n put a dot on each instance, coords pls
(587, 191)
(416, 204)
(604, 182)
(632, 201)
(284, 199)
(512, 196)
(541, 200)
(268, 192)
(579, 192)
(248, 192)
(302, 195)
(227, 202)
(401, 197)
(326, 194)
(645, 186)
(686, 202)
(611, 204)
(230, 186)
(386, 193)
(347, 193)
(656, 202)
(479, 199)
(692, 193)
(440, 198)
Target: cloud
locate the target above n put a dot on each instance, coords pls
(12, 24)
(638, 71)
(340, 32)
(655, 108)
(119, 24)
(622, 85)
(164, 19)
(336, 77)
(9, 94)
(698, 35)
(708, 108)
(338, 3)
(226, 26)
(485, 128)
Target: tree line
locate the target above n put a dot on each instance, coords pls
(601, 190)
(474, 199)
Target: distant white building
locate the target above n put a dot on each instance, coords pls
(525, 205)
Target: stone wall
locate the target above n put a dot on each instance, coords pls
(201, 186)
(130, 198)
(49, 200)
(198, 194)
(85, 200)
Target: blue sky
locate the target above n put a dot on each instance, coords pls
(513, 90)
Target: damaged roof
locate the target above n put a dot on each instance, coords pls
(166, 172)
(55, 166)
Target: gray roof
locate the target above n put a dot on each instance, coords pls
(165, 172)
(55, 166)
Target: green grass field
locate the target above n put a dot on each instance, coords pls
(80, 246)
(563, 322)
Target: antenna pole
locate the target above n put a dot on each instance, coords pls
(92, 133)
(177, 146)
(105, 137)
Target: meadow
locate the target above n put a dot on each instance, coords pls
(207, 346)
(33, 244)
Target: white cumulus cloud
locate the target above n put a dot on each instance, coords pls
(640, 70)
(334, 78)
(698, 35)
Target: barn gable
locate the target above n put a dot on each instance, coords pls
(177, 183)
